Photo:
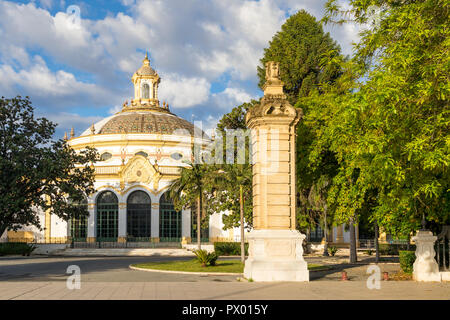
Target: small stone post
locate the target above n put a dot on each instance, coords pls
(425, 267)
(275, 246)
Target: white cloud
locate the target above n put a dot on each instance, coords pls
(66, 121)
(48, 4)
(115, 109)
(40, 82)
(192, 43)
(184, 92)
(230, 98)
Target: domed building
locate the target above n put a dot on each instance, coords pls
(142, 149)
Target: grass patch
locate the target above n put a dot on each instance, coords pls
(231, 266)
(318, 267)
(400, 276)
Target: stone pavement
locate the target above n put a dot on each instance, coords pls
(320, 290)
(110, 278)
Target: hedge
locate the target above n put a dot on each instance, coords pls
(393, 249)
(16, 248)
(407, 259)
(229, 248)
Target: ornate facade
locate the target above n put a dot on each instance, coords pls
(142, 149)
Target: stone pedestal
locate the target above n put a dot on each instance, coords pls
(425, 267)
(276, 255)
(275, 246)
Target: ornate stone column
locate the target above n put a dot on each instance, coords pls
(275, 246)
(186, 225)
(155, 221)
(425, 267)
(122, 232)
(91, 222)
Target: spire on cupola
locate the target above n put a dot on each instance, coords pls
(146, 82)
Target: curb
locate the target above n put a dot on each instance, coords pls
(187, 272)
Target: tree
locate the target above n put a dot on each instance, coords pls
(386, 118)
(236, 118)
(188, 191)
(231, 191)
(37, 172)
(299, 47)
(402, 109)
(317, 198)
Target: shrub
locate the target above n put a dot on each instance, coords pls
(16, 248)
(332, 250)
(229, 248)
(388, 249)
(205, 257)
(370, 252)
(407, 259)
(213, 258)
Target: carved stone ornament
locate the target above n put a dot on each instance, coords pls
(140, 170)
(272, 70)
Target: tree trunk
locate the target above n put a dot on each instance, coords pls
(408, 247)
(3, 228)
(353, 257)
(241, 202)
(325, 233)
(377, 248)
(199, 210)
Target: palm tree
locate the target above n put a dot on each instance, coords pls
(227, 179)
(188, 189)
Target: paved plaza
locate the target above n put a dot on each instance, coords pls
(110, 278)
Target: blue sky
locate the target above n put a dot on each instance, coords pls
(77, 71)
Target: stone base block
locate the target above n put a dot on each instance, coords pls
(445, 276)
(425, 267)
(276, 255)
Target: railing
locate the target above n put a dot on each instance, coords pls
(442, 249)
(35, 240)
(367, 243)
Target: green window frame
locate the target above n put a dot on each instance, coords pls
(107, 216)
(169, 220)
(78, 224)
(139, 215)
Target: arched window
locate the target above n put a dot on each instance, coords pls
(139, 214)
(169, 220)
(145, 91)
(78, 223)
(142, 153)
(106, 156)
(107, 216)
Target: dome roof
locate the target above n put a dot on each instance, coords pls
(145, 71)
(143, 122)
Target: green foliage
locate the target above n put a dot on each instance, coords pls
(299, 48)
(407, 259)
(189, 191)
(36, 171)
(225, 180)
(19, 248)
(236, 118)
(332, 250)
(229, 248)
(205, 257)
(386, 118)
(370, 252)
(386, 249)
